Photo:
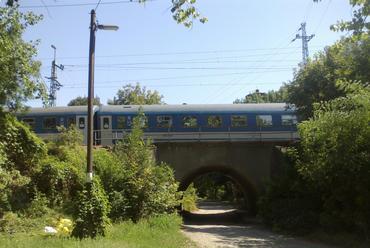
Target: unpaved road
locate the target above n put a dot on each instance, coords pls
(216, 226)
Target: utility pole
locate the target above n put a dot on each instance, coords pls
(305, 39)
(94, 26)
(90, 98)
(54, 84)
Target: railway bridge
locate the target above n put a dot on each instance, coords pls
(248, 164)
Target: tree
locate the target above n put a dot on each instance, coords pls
(269, 97)
(82, 101)
(335, 157)
(348, 59)
(19, 72)
(359, 23)
(325, 179)
(130, 94)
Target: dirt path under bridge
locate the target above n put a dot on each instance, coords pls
(219, 225)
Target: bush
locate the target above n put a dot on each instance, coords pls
(22, 147)
(189, 199)
(20, 154)
(91, 216)
(289, 202)
(109, 169)
(11, 184)
(38, 206)
(58, 181)
(143, 188)
(327, 182)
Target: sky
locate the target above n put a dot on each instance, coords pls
(245, 45)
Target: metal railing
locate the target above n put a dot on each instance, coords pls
(111, 136)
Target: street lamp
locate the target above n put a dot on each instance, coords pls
(90, 115)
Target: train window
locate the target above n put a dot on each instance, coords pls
(121, 122)
(81, 122)
(264, 120)
(239, 121)
(190, 122)
(106, 123)
(30, 122)
(164, 121)
(49, 123)
(71, 121)
(214, 121)
(288, 120)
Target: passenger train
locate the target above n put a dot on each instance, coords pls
(172, 123)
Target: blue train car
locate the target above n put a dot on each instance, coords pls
(173, 123)
(44, 121)
(218, 122)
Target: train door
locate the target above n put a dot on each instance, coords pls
(106, 130)
(81, 121)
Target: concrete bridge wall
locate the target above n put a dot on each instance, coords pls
(249, 164)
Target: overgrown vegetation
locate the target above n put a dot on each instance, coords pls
(326, 179)
(160, 231)
(324, 188)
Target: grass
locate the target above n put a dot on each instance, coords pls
(162, 231)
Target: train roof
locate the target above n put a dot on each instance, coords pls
(198, 108)
(69, 110)
(183, 108)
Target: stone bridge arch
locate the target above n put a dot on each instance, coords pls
(248, 190)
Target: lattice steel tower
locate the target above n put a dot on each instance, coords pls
(305, 39)
(54, 84)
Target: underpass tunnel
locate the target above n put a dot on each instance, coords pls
(221, 191)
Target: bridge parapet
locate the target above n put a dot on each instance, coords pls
(109, 137)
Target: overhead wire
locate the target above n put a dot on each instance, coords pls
(235, 80)
(97, 5)
(80, 4)
(179, 53)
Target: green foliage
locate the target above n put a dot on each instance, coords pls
(11, 183)
(23, 148)
(91, 216)
(136, 95)
(184, 12)
(271, 96)
(289, 202)
(162, 231)
(359, 24)
(217, 186)
(189, 199)
(19, 72)
(70, 137)
(59, 181)
(60, 175)
(108, 167)
(142, 188)
(327, 179)
(335, 158)
(20, 155)
(13, 223)
(82, 101)
(38, 206)
(348, 60)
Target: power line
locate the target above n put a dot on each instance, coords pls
(185, 68)
(186, 53)
(170, 63)
(236, 80)
(79, 4)
(166, 78)
(168, 85)
(97, 5)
